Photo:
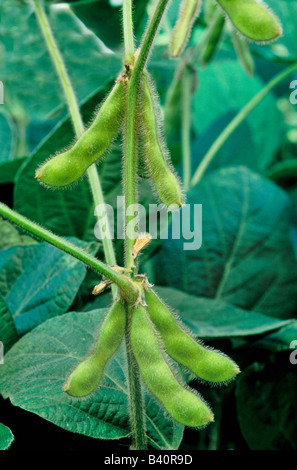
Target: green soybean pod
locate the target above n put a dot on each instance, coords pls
(206, 363)
(183, 405)
(69, 166)
(242, 49)
(189, 11)
(212, 37)
(88, 374)
(155, 153)
(252, 19)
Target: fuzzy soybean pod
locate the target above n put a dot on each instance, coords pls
(189, 11)
(69, 166)
(183, 405)
(155, 153)
(206, 363)
(252, 19)
(242, 49)
(87, 375)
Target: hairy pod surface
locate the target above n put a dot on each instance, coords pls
(87, 375)
(189, 11)
(252, 19)
(214, 33)
(155, 154)
(69, 166)
(208, 364)
(182, 404)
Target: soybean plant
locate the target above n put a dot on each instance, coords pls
(154, 337)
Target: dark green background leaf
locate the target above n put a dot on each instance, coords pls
(246, 257)
(266, 406)
(6, 437)
(8, 332)
(224, 88)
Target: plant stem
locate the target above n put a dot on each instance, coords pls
(128, 32)
(148, 38)
(130, 184)
(239, 118)
(123, 282)
(136, 399)
(130, 166)
(186, 126)
(75, 116)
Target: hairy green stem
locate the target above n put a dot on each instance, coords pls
(128, 32)
(136, 401)
(239, 118)
(130, 168)
(123, 282)
(75, 116)
(130, 184)
(186, 126)
(136, 398)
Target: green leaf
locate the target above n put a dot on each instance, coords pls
(256, 141)
(246, 257)
(25, 59)
(209, 318)
(39, 282)
(6, 138)
(68, 212)
(6, 437)
(10, 236)
(8, 332)
(9, 169)
(280, 340)
(266, 407)
(37, 366)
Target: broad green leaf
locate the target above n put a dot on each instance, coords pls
(39, 282)
(266, 406)
(208, 318)
(26, 68)
(280, 340)
(37, 366)
(246, 257)
(10, 236)
(224, 88)
(68, 212)
(6, 437)
(8, 332)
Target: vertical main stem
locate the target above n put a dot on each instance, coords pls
(76, 118)
(128, 32)
(186, 126)
(136, 400)
(130, 182)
